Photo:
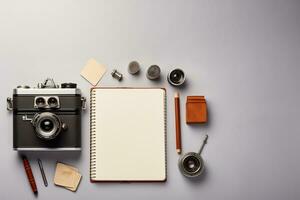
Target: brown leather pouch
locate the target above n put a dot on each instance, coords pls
(196, 111)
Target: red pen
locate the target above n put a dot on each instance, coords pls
(29, 175)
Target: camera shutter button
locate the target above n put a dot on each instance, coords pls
(68, 85)
(23, 86)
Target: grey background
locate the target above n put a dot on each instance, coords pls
(244, 56)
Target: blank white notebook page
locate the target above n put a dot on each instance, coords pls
(129, 134)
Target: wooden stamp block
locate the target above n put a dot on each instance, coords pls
(196, 111)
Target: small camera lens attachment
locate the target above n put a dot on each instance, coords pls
(176, 77)
(52, 102)
(117, 75)
(40, 102)
(191, 165)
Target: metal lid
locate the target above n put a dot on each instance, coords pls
(133, 67)
(153, 72)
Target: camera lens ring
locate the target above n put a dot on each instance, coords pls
(191, 165)
(47, 125)
(52, 102)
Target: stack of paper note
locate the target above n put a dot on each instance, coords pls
(67, 176)
(93, 71)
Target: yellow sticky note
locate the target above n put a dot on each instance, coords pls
(93, 71)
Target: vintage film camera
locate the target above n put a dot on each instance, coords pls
(47, 117)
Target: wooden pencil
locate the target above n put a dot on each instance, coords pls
(177, 123)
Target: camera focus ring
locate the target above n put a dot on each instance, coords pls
(47, 125)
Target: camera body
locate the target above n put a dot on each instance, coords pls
(47, 118)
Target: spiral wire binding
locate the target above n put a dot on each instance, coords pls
(93, 134)
(165, 110)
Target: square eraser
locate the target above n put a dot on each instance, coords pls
(93, 71)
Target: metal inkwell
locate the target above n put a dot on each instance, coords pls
(191, 164)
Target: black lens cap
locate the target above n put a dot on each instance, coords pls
(68, 85)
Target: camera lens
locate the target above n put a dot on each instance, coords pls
(47, 125)
(191, 164)
(176, 77)
(52, 102)
(40, 102)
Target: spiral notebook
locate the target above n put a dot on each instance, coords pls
(128, 134)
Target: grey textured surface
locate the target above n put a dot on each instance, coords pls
(244, 56)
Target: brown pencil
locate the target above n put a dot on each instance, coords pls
(29, 175)
(177, 123)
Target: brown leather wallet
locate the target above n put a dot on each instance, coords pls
(196, 111)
